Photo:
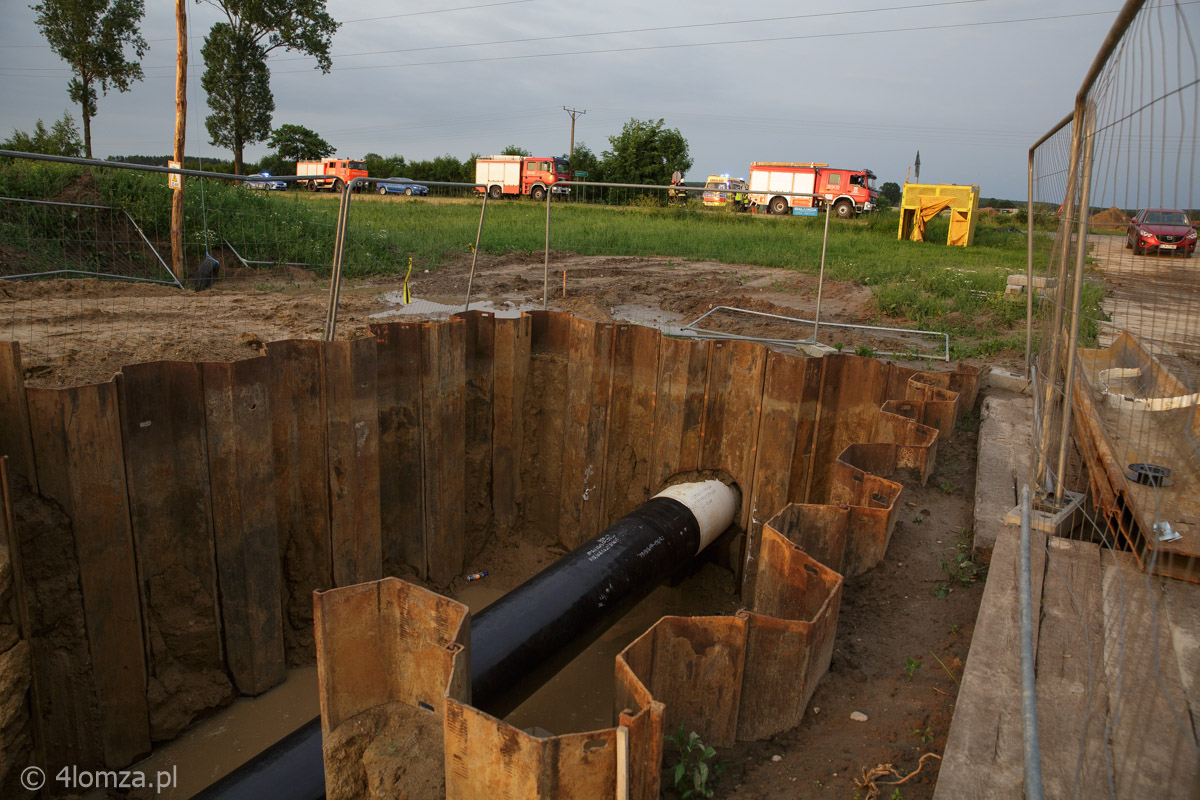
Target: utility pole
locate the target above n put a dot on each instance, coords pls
(181, 58)
(574, 112)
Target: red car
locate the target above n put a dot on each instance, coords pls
(1163, 229)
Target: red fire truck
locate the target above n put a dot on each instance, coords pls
(516, 175)
(331, 173)
(849, 191)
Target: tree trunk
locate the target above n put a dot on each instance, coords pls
(87, 131)
(181, 58)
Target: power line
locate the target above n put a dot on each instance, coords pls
(758, 40)
(655, 29)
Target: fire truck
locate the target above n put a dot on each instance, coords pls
(848, 191)
(517, 175)
(331, 173)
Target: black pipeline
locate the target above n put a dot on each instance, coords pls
(524, 637)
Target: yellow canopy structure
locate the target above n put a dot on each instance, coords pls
(922, 202)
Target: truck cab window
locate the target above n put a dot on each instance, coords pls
(835, 180)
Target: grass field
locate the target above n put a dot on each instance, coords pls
(918, 284)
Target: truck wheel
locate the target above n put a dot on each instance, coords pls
(312, 186)
(538, 193)
(494, 192)
(844, 209)
(779, 205)
(383, 190)
(338, 186)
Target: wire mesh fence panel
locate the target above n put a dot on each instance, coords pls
(1116, 361)
(88, 281)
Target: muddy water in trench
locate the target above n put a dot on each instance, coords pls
(580, 697)
(212, 749)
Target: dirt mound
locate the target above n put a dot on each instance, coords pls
(1113, 216)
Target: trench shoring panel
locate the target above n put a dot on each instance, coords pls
(379, 450)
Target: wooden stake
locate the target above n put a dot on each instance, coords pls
(181, 59)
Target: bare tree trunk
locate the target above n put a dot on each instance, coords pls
(181, 59)
(87, 132)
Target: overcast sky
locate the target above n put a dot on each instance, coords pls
(853, 83)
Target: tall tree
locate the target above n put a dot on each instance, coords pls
(298, 143)
(235, 54)
(645, 152)
(238, 84)
(514, 150)
(91, 36)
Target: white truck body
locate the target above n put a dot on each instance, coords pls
(502, 170)
(766, 183)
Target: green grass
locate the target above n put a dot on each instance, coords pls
(928, 285)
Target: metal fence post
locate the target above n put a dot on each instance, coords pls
(1076, 302)
(821, 276)
(546, 268)
(1032, 745)
(339, 246)
(475, 252)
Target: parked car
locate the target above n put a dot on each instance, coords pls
(1167, 230)
(267, 185)
(401, 186)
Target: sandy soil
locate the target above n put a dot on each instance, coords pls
(79, 331)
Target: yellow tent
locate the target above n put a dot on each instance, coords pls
(922, 202)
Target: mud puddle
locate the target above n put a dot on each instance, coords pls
(580, 697)
(220, 744)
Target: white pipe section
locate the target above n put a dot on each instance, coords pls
(711, 502)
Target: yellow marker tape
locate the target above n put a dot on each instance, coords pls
(407, 291)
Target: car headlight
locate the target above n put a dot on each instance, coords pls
(1192, 234)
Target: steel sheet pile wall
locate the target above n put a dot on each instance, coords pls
(389, 660)
(189, 511)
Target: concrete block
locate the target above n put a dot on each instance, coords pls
(1008, 381)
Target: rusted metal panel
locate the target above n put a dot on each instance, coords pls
(510, 373)
(697, 674)
(679, 408)
(388, 641)
(630, 419)
(589, 381)
(790, 637)
(808, 416)
(166, 458)
(401, 465)
(296, 393)
(443, 430)
(940, 415)
(784, 382)
(352, 428)
(546, 419)
(646, 735)
(15, 439)
(852, 394)
(241, 474)
(820, 531)
(10, 540)
(731, 416)
(480, 351)
(486, 757)
(79, 432)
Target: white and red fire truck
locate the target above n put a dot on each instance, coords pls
(331, 173)
(517, 175)
(848, 191)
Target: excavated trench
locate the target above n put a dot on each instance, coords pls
(172, 525)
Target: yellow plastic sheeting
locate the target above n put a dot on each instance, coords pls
(930, 207)
(923, 201)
